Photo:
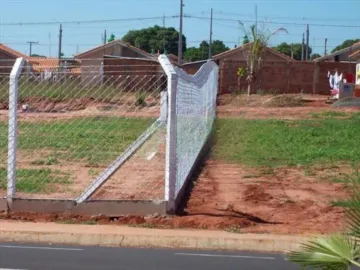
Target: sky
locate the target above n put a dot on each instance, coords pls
(84, 21)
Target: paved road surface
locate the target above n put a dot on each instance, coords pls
(44, 257)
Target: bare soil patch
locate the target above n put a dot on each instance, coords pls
(142, 177)
(240, 199)
(277, 107)
(283, 200)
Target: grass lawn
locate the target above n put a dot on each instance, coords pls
(288, 143)
(91, 140)
(74, 88)
(36, 180)
(95, 140)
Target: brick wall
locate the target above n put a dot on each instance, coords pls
(6, 63)
(282, 76)
(134, 74)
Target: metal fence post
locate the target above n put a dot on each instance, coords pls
(164, 106)
(171, 136)
(12, 135)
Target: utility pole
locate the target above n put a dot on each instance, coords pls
(49, 36)
(30, 45)
(325, 52)
(307, 42)
(256, 18)
(302, 47)
(60, 42)
(180, 45)
(292, 51)
(105, 37)
(211, 33)
(164, 20)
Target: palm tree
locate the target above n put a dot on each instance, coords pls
(258, 41)
(339, 251)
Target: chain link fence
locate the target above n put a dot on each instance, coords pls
(5, 69)
(103, 129)
(79, 126)
(192, 110)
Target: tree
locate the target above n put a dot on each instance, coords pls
(155, 39)
(314, 56)
(202, 52)
(258, 42)
(340, 251)
(345, 44)
(38, 55)
(285, 48)
(111, 38)
(193, 54)
(218, 46)
(246, 40)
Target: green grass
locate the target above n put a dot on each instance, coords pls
(288, 143)
(329, 114)
(74, 88)
(33, 181)
(74, 221)
(94, 140)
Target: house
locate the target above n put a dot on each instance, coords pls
(7, 58)
(239, 54)
(355, 56)
(343, 55)
(37, 66)
(230, 60)
(92, 60)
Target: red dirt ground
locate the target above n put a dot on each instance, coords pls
(233, 197)
(258, 107)
(239, 199)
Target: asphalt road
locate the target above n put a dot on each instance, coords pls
(35, 257)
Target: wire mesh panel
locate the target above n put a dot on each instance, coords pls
(192, 110)
(76, 119)
(195, 109)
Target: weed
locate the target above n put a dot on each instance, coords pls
(93, 173)
(144, 225)
(234, 229)
(329, 114)
(140, 99)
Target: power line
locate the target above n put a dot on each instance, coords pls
(177, 16)
(189, 42)
(273, 22)
(88, 21)
(304, 19)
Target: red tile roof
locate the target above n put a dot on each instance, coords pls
(245, 46)
(101, 47)
(11, 51)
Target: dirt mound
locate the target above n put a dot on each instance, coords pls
(285, 101)
(151, 221)
(283, 201)
(240, 199)
(347, 102)
(4, 106)
(48, 105)
(256, 194)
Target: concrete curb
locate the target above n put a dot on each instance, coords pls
(104, 235)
